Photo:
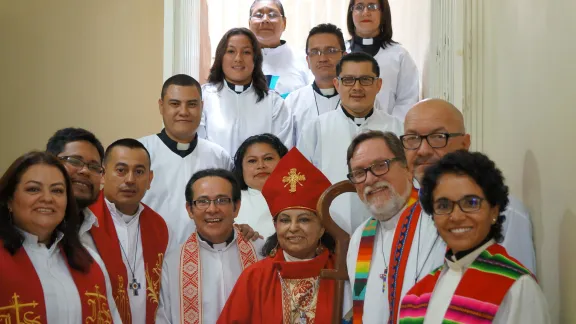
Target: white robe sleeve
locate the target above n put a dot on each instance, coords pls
(309, 144)
(524, 303)
(163, 314)
(518, 234)
(281, 120)
(408, 87)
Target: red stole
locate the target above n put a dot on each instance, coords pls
(478, 295)
(154, 234)
(22, 296)
(191, 275)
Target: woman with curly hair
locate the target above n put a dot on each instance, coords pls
(479, 281)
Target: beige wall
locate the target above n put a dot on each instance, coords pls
(90, 64)
(529, 129)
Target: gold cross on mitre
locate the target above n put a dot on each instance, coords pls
(293, 178)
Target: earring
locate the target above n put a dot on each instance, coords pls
(9, 215)
(273, 251)
(494, 221)
(319, 249)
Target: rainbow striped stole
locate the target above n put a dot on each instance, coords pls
(474, 300)
(402, 234)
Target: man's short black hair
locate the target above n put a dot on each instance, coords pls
(182, 80)
(327, 29)
(221, 173)
(58, 141)
(129, 143)
(358, 57)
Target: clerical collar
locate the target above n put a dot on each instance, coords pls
(120, 215)
(182, 149)
(228, 240)
(328, 93)
(358, 120)
(274, 50)
(32, 240)
(367, 45)
(237, 88)
(460, 255)
(290, 258)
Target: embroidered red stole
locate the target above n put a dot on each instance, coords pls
(154, 234)
(401, 245)
(21, 290)
(191, 275)
(478, 295)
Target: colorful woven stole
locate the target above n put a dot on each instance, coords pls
(403, 237)
(191, 275)
(154, 234)
(22, 296)
(474, 300)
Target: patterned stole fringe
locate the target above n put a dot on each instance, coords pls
(191, 275)
(474, 300)
(403, 237)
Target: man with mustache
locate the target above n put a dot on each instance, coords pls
(324, 140)
(434, 128)
(324, 48)
(397, 245)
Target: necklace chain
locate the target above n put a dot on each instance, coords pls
(419, 272)
(135, 252)
(316, 102)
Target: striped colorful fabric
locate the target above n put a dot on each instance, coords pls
(478, 295)
(364, 258)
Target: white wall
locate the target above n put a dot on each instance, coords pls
(529, 129)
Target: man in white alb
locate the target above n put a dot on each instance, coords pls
(441, 124)
(325, 47)
(324, 140)
(198, 277)
(177, 152)
(398, 244)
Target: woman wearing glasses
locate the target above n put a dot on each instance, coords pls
(286, 286)
(285, 70)
(237, 101)
(46, 274)
(370, 25)
(479, 281)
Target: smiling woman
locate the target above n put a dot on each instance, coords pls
(480, 282)
(40, 249)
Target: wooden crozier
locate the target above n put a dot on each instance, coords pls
(340, 273)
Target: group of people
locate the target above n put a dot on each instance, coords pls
(215, 219)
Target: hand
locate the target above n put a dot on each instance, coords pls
(247, 232)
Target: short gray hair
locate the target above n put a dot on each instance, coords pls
(391, 139)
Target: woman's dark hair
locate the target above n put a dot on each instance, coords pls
(481, 170)
(265, 138)
(77, 256)
(258, 78)
(385, 22)
(272, 241)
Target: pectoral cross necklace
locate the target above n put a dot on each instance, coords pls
(134, 284)
(384, 275)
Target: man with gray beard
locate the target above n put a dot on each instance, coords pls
(396, 247)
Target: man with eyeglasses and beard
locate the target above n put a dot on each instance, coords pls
(197, 278)
(324, 140)
(434, 128)
(398, 245)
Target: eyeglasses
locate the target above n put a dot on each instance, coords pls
(435, 140)
(327, 51)
(272, 16)
(359, 8)
(204, 204)
(467, 204)
(79, 164)
(377, 169)
(350, 81)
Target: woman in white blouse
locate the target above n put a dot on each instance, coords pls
(254, 161)
(46, 274)
(237, 101)
(370, 25)
(479, 281)
(285, 69)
